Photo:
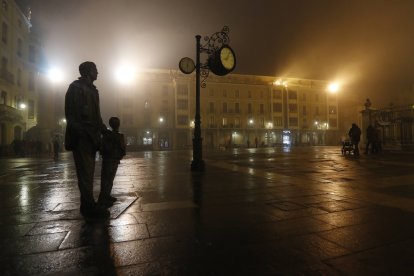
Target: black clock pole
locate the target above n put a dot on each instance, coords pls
(198, 162)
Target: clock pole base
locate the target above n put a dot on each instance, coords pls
(197, 166)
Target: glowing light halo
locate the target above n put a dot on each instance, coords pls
(125, 73)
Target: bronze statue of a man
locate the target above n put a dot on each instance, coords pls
(83, 134)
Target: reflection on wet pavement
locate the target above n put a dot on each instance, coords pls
(253, 212)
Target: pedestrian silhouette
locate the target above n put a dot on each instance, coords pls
(112, 150)
(56, 148)
(355, 136)
(83, 134)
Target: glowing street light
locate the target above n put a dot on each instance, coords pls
(22, 106)
(125, 73)
(55, 74)
(333, 87)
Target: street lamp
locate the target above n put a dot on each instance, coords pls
(333, 87)
(221, 60)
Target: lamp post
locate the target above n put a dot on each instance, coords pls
(221, 60)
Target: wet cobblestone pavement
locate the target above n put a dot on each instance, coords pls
(279, 211)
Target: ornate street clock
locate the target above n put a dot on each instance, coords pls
(186, 65)
(222, 61)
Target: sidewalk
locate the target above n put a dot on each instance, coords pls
(252, 212)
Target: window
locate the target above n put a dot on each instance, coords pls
(225, 93)
(293, 121)
(317, 110)
(4, 30)
(249, 108)
(5, 5)
(261, 108)
(293, 108)
(224, 107)
(237, 94)
(333, 122)
(237, 107)
(30, 109)
(182, 120)
(332, 109)
(31, 81)
(249, 93)
(19, 47)
(182, 104)
(182, 90)
(224, 122)
(19, 77)
(304, 97)
(3, 98)
(316, 97)
(262, 122)
(293, 95)
(261, 94)
(127, 119)
(304, 110)
(277, 121)
(277, 94)
(4, 63)
(237, 122)
(211, 107)
(211, 93)
(211, 121)
(165, 91)
(277, 107)
(32, 53)
(164, 106)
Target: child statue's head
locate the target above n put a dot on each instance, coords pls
(114, 123)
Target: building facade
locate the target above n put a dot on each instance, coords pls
(19, 73)
(236, 111)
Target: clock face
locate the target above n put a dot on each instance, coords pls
(227, 58)
(186, 65)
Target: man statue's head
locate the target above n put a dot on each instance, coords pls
(88, 69)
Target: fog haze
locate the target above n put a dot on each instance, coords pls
(366, 44)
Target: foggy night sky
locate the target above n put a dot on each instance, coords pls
(367, 44)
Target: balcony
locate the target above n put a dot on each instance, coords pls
(8, 113)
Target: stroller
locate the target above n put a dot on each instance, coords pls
(347, 147)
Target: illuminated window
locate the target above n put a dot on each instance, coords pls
(30, 109)
(277, 121)
(224, 122)
(237, 122)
